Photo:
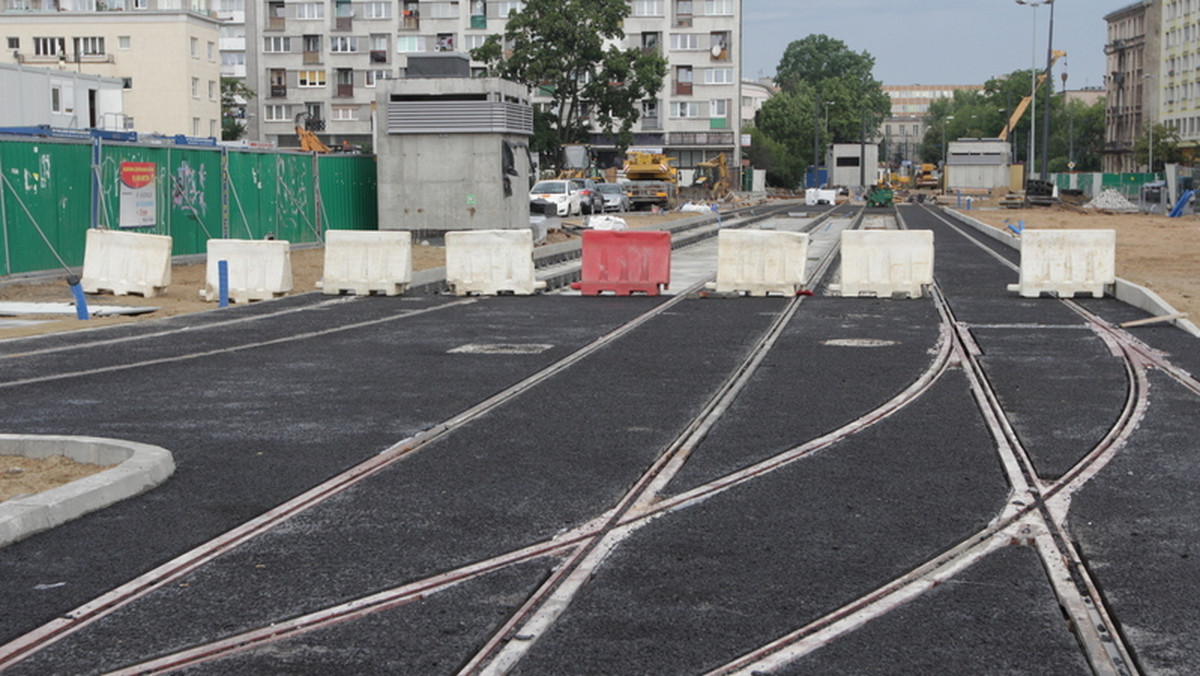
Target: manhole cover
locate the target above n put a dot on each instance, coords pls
(501, 348)
(858, 342)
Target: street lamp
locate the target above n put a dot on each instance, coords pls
(1033, 84)
(945, 151)
(1149, 125)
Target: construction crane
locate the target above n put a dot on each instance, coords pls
(1016, 116)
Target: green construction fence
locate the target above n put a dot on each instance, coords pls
(53, 190)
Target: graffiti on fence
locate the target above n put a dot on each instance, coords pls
(187, 189)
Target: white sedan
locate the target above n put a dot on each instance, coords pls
(559, 192)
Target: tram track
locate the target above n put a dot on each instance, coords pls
(24, 646)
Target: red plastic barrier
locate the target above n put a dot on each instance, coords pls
(625, 262)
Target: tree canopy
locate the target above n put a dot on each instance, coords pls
(570, 51)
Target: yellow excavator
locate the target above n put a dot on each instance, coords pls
(712, 178)
(309, 142)
(1024, 104)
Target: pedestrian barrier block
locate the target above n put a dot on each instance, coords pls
(625, 262)
(258, 269)
(760, 262)
(1066, 262)
(362, 262)
(886, 263)
(124, 263)
(491, 262)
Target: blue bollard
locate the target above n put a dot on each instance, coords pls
(222, 283)
(959, 194)
(969, 202)
(81, 308)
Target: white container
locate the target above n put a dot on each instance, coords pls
(362, 262)
(886, 263)
(1066, 262)
(258, 269)
(760, 262)
(125, 263)
(491, 262)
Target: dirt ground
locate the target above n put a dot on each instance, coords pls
(25, 476)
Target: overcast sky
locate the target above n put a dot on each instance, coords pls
(935, 41)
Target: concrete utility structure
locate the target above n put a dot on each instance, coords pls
(978, 163)
(852, 164)
(163, 51)
(60, 98)
(453, 154)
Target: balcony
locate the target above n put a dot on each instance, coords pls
(312, 57)
(345, 90)
(651, 124)
(279, 91)
(379, 56)
(276, 23)
(682, 88)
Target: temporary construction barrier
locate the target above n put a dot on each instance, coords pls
(126, 262)
(363, 261)
(885, 263)
(258, 269)
(760, 262)
(491, 262)
(625, 262)
(1066, 262)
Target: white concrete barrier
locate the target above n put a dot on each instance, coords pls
(366, 261)
(1066, 262)
(490, 262)
(258, 269)
(885, 263)
(124, 263)
(759, 262)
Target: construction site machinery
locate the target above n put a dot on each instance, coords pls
(309, 142)
(651, 179)
(880, 197)
(1024, 104)
(712, 179)
(927, 177)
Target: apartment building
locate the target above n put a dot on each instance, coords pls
(1133, 55)
(163, 51)
(902, 133)
(320, 61)
(1177, 84)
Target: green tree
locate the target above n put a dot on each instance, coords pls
(567, 49)
(1165, 143)
(234, 97)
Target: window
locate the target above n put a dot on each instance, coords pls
(56, 99)
(718, 108)
(310, 10)
(718, 7)
(212, 128)
(685, 41)
(90, 46)
(233, 58)
(410, 43)
(141, 4)
(195, 126)
(277, 44)
(212, 90)
(14, 43)
(232, 5)
(445, 42)
(650, 110)
(212, 51)
(473, 41)
(49, 46)
(126, 83)
(370, 77)
(195, 88)
(377, 10)
(443, 10)
(718, 76)
(345, 112)
(685, 109)
(505, 7)
(343, 44)
(18, 4)
(277, 113)
(647, 8)
(195, 48)
(311, 78)
(124, 42)
(312, 43)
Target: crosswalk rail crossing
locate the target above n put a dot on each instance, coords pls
(886, 263)
(761, 262)
(1067, 262)
(363, 262)
(258, 269)
(125, 263)
(625, 262)
(491, 262)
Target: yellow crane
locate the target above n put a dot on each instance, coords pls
(1024, 104)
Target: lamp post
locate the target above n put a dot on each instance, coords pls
(1033, 81)
(945, 150)
(1050, 84)
(1149, 126)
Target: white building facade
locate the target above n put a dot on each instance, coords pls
(321, 61)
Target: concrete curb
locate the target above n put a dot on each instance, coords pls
(141, 467)
(1124, 290)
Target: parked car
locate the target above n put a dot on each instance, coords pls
(560, 193)
(590, 200)
(615, 197)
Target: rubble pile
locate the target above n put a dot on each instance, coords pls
(1111, 200)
